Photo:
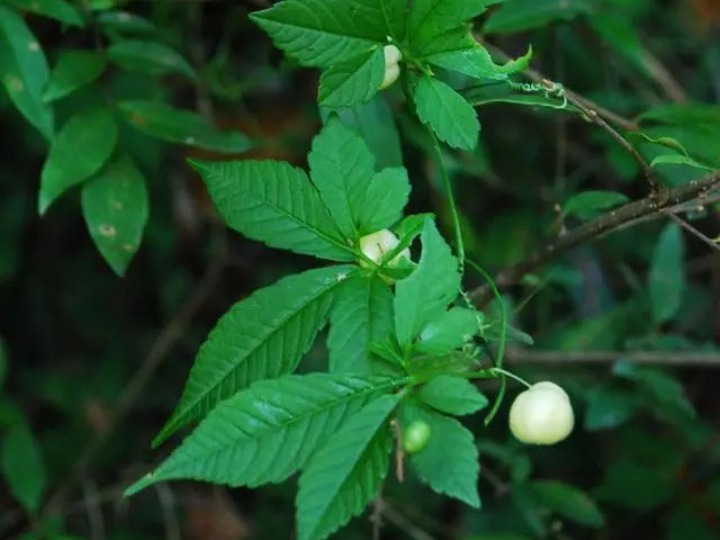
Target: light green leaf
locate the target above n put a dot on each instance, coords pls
(354, 81)
(448, 331)
(341, 166)
(261, 337)
(423, 295)
(362, 313)
(323, 33)
(384, 200)
(149, 57)
(667, 274)
(476, 62)
(569, 502)
(346, 473)
(452, 395)
(678, 159)
(23, 466)
(520, 15)
(589, 204)
(60, 10)
(449, 463)
(74, 69)
(428, 18)
(184, 127)
(501, 93)
(24, 71)
(80, 149)
(275, 203)
(447, 113)
(115, 208)
(125, 22)
(265, 433)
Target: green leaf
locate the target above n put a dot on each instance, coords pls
(125, 22)
(428, 18)
(667, 274)
(24, 71)
(423, 295)
(384, 200)
(678, 159)
(115, 208)
(341, 166)
(275, 203)
(449, 463)
(501, 93)
(476, 62)
(265, 433)
(354, 81)
(569, 502)
(452, 395)
(79, 150)
(449, 331)
(447, 113)
(362, 314)
(184, 127)
(520, 15)
(346, 473)
(375, 123)
(73, 70)
(55, 9)
(261, 337)
(609, 407)
(3, 362)
(149, 57)
(23, 466)
(589, 204)
(323, 33)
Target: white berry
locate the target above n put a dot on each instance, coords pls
(392, 66)
(542, 414)
(377, 245)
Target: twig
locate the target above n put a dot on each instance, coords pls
(167, 339)
(167, 503)
(402, 522)
(692, 230)
(376, 516)
(674, 358)
(399, 453)
(612, 221)
(94, 512)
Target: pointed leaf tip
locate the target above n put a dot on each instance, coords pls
(198, 165)
(136, 487)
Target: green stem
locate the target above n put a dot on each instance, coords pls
(511, 375)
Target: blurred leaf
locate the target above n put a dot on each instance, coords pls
(677, 159)
(452, 395)
(24, 71)
(115, 208)
(520, 15)
(260, 337)
(685, 522)
(347, 472)
(59, 10)
(569, 502)
(23, 466)
(447, 113)
(352, 82)
(609, 407)
(666, 280)
(73, 70)
(448, 331)
(361, 314)
(3, 362)
(449, 463)
(424, 295)
(78, 151)
(149, 57)
(635, 486)
(322, 34)
(184, 127)
(498, 536)
(275, 203)
(267, 432)
(125, 22)
(590, 204)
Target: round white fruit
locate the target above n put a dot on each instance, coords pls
(392, 65)
(377, 245)
(542, 414)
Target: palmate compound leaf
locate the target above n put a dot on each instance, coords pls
(268, 431)
(362, 314)
(360, 200)
(452, 395)
(346, 473)
(274, 202)
(428, 18)
(353, 81)
(423, 295)
(323, 33)
(447, 113)
(261, 337)
(449, 463)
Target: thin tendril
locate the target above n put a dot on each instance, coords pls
(512, 376)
